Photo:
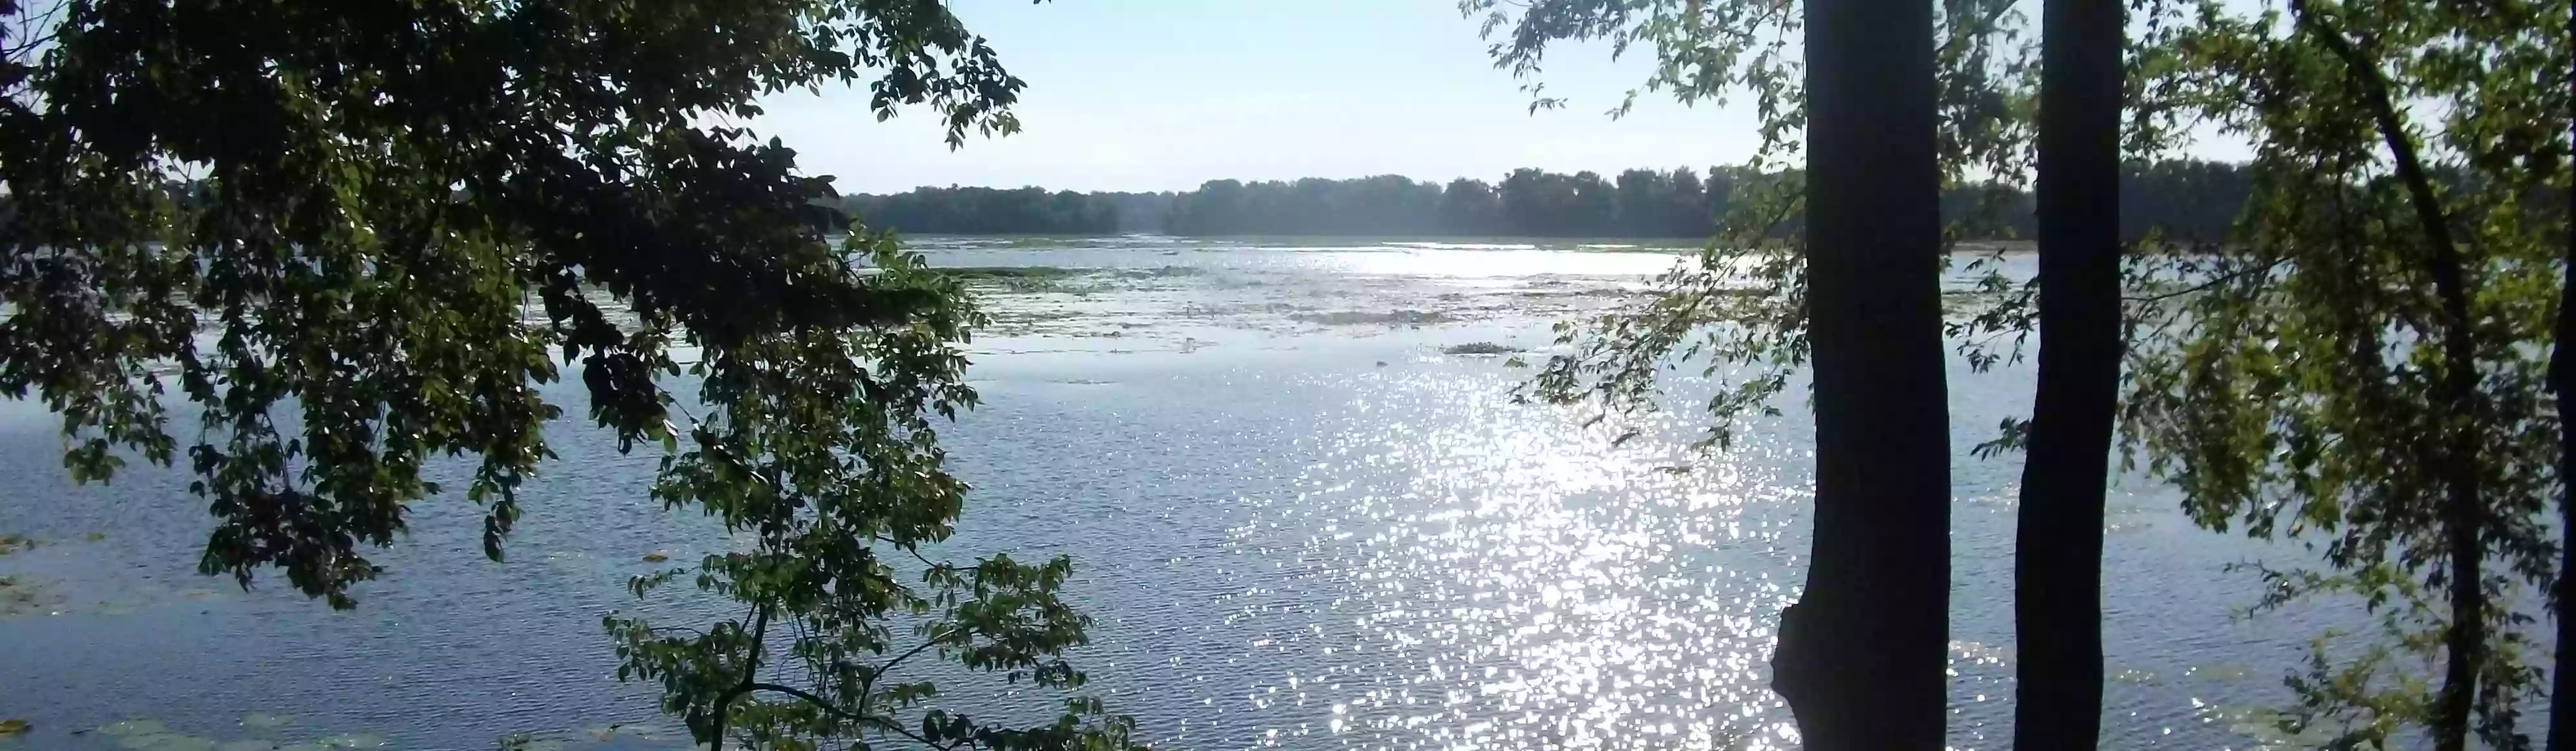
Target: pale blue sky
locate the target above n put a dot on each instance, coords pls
(1165, 94)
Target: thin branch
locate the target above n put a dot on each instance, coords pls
(658, 629)
(934, 641)
(751, 665)
(916, 554)
(2410, 168)
(2204, 286)
(880, 722)
(1984, 25)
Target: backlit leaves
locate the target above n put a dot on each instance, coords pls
(2290, 382)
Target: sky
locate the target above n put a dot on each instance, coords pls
(1144, 95)
(1166, 94)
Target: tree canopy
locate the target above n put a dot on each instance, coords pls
(2177, 198)
(347, 240)
(2363, 367)
(972, 211)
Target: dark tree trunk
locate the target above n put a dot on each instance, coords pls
(2057, 571)
(1862, 655)
(2562, 384)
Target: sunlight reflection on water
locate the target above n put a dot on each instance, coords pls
(1296, 532)
(1522, 585)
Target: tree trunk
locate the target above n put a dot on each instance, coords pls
(2057, 569)
(1862, 656)
(2562, 384)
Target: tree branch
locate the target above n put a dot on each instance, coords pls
(2383, 112)
(827, 706)
(934, 641)
(2203, 286)
(1984, 25)
(916, 554)
(2462, 514)
(751, 665)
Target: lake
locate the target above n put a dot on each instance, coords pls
(1299, 523)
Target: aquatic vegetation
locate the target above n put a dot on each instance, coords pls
(19, 596)
(353, 741)
(145, 734)
(975, 273)
(527, 742)
(1478, 348)
(133, 727)
(1399, 317)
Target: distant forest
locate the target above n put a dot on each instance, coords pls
(2187, 199)
(1000, 211)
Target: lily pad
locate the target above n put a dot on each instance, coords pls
(14, 726)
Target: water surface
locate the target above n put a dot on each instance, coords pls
(1300, 524)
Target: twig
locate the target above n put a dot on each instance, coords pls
(1984, 25)
(879, 722)
(2203, 286)
(916, 554)
(933, 642)
(759, 630)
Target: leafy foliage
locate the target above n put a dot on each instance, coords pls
(354, 238)
(2362, 368)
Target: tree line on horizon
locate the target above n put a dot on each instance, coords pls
(2179, 198)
